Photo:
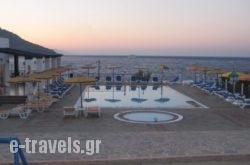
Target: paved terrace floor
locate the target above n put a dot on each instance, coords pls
(219, 134)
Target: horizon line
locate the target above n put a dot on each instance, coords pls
(187, 56)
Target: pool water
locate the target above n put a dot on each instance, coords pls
(137, 97)
(148, 117)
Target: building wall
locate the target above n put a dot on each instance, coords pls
(4, 65)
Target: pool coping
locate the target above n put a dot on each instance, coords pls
(177, 117)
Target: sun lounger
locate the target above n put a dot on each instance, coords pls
(133, 87)
(118, 79)
(108, 79)
(155, 80)
(70, 111)
(20, 111)
(175, 80)
(245, 104)
(118, 87)
(155, 87)
(38, 105)
(4, 114)
(144, 80)
(92, 110)
(133, 79)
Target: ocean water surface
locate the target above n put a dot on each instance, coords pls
(177, 65)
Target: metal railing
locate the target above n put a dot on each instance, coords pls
(19, 152)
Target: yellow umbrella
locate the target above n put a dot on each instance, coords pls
(193, 68)
(227, 74)
(217, 72)
(80, 80)
(242, 78)
(197, 68)
(88, 67)
(22, 80)
(245, 77)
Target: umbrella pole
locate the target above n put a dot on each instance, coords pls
(242, 88)
(195, 77)
(81, 93)
(113, 75)
(226, 84)
(88, 92)
(24, 89)
(113, 92)
(139, 91)
(161, 90)
(233, 87)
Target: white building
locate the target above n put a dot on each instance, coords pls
(4, 63)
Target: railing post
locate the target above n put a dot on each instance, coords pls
(16, 158)
(19, 150)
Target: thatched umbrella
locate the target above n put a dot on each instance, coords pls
(22, 80)
(243, 78)
(80, 80)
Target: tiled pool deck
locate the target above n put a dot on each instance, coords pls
(222, 131)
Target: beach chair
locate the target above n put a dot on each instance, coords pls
(175, 80)
(108, 87)
(133, 79)
(144, 80)
(70, 111)
(4, 114)
(118, 79)
(97, 87)
(20, 111)
(97, 78)
(245, 104)
(108, 79)
(143, 87)
(155, 79)
(133, 87)
(95, 110)
(38, 105)
(155, 87)
(118, 87)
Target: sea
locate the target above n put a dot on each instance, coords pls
(177, 66)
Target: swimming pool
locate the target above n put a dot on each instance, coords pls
(139, 96)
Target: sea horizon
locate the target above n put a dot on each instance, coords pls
(157, 56)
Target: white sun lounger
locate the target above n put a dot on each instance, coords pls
(70, 111)
(245, 104)
(20, 111)
(92, 110)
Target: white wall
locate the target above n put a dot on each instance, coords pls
(58, 59)
(53, 63)
(40, 64)
(4, 58)
(4, 63)
(47, 63)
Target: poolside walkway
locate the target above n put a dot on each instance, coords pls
(219, 134)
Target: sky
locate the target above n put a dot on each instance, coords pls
(141, 27)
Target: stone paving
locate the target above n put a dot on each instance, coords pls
(220, 130)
